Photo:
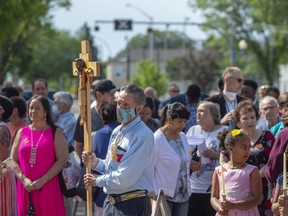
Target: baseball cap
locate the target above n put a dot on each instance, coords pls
(7, 105)
(104, 85)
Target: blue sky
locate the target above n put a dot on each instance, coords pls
(110, 41)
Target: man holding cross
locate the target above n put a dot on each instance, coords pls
(127, 174)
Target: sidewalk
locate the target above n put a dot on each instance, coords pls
(80, 208)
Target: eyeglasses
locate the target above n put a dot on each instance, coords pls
(239, 80)
(265, 109)
(175, 91)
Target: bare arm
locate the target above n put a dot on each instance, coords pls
(275, 204)
(214, 199)
(61, 152)
(228, 117)
(210, 153)
(14, 164)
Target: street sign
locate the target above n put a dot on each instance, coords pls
(123, 25)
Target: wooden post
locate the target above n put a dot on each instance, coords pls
(85, 69)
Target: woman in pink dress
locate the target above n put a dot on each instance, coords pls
(242, 182)
(38, 156)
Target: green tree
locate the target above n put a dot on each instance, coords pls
(149, 75)
(20, 20)
(201, 67)
(263, 24)
(49, 54)
(162, 39)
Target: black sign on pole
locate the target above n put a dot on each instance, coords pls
(123, 24)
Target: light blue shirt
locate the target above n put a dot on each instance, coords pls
(67, 122)
(133, 170)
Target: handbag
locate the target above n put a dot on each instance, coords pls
(71, 172)
(69, 176)
(31, 210)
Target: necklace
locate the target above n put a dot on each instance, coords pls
(235, 167)
(33, 151)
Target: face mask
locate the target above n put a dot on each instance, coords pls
(55, 110)
(124, 116)
(230, 95)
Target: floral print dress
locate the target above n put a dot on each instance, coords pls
(259, 155)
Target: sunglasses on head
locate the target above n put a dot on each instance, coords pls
(239, 80)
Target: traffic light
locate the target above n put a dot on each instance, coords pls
(149, 30)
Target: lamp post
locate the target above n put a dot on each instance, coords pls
(230, 10)
(150, 30)
(242, 46)
(128, 59)
(186, 20)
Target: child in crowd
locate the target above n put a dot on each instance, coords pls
(280, 201)
(242, 182)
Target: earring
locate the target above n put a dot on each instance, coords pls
(45, 118)
(168, 127)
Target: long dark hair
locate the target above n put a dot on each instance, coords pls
(45, 102)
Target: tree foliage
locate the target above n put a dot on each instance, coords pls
(149, 75)
(162, 39)
(49, 56)
(201, 67)
(20, 21)
(263, 24)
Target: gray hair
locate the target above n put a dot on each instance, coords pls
(283, 98)
(139, 96)
(230, 71)
(64, 97)
(214, 109)
(266, 98)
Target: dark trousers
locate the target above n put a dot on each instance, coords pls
(199, 205)
(140, 206)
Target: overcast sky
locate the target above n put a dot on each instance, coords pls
(110, 41)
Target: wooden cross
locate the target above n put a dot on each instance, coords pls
(85, 69)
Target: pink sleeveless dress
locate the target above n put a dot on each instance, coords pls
(48, 201)
(237, 186)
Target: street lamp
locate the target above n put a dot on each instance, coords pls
(151, 34)
(186, 20)
(242, 44)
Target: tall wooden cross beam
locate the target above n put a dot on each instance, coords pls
(85, 69)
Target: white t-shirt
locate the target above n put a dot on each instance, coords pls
(201, 180)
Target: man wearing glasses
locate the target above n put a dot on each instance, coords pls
(228, 99)
(269, 113)
(283, 108)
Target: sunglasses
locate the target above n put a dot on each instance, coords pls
(239, 80)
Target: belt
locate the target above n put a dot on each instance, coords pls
(127, 196)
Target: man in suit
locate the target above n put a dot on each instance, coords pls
(228, 99)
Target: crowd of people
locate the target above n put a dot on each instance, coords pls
(219, 154)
